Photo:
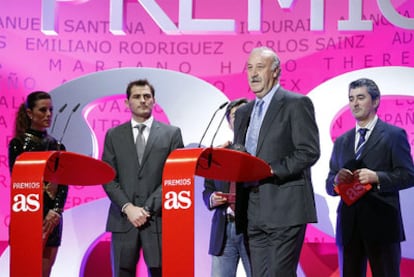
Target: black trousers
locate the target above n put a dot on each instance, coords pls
(384, 258)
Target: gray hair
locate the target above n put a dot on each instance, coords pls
(274, 56)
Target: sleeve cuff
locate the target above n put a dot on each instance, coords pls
(124, 206)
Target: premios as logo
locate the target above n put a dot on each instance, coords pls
(26, 203)
(177, 200)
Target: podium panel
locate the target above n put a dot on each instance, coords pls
(30, 171)
(178, 197)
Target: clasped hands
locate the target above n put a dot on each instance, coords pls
(362, 175)
(138, 216)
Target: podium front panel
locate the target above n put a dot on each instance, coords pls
(178, 197)
(30, 171)
(26, 216)
(178, 213)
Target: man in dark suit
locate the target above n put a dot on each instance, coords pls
(279, 127)
(371, 228)
(135, 213)
(226, 247)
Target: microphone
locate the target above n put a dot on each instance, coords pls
(59, 112)
(62, 108)
(211, 120)
(67, 121)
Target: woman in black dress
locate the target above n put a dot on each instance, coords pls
(33, 118)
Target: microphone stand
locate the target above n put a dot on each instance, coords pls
(210, 155)
(211, 120)
(218, 128)
(59, 112)
(67, 121)
(63, 134)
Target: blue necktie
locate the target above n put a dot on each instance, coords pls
(254, 128)
(361, 142)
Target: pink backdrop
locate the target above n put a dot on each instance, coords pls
(210, 41)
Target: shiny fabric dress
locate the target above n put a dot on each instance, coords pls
(54, 195)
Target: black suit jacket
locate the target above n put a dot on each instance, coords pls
(377, 213)
(289, 143)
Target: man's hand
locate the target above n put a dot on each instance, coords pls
(217, 199)
(224, 145)
(344, 176)
(138, 216)
(366, 176)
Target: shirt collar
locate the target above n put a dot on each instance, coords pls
(147, 123)
(370, 125)
(266, 99)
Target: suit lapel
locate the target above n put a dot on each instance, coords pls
(275, 105)
(244, 124)
(152, 138)
(126, 132)
(349, 145)
(373, 139)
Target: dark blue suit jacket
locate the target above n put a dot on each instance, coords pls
(377, 213)
(218, 224)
